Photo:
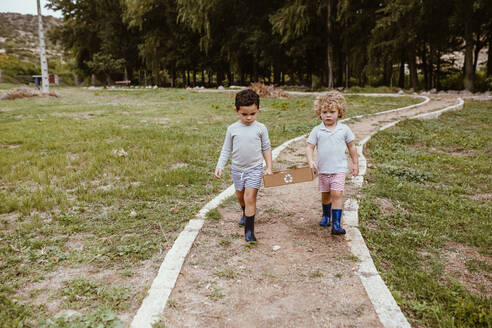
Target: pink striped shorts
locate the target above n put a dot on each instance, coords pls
(327, 182)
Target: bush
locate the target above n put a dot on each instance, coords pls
(11, 65)
(482, 83)
(267, 90)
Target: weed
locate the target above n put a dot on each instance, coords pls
(172, 304)
(216, 294)
(349, 257)
(316, 274)
(227, 274)
(338, 275)
(225, 242)
(159, 324)
(214, 214)
(98, 318)
(271, 275)
(80, 293)
(475, 266)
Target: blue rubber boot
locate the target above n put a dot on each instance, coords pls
(325, 219)
(249, 229)
(336, 229)
(241, 221)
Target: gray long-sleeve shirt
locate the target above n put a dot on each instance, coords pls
(246, 143)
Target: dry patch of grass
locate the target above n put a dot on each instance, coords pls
(466, 264)
(23, 92)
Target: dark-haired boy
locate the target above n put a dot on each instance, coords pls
(247, 140)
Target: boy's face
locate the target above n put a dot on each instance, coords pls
(329, 116)
(247, 114)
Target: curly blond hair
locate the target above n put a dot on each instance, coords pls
(331, 99)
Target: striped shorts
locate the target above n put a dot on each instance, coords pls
(327, 182)
(250, 178)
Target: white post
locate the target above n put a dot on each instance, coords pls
(42, 48)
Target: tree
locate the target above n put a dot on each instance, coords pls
(299, 21)
(105, 63)
(94, 26)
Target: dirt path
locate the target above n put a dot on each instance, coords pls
(310, 281)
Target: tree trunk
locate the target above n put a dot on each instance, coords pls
(401, 77)
(424, 66)
(386, 72)
(438, 70)
(241, 77)
(340, 68)
(125, 77)
(203, 77)
(478, 47)
(329, 45)
(194, 78)
(108, 78)
(220, 77)
(489, 58)
(412, 66)
(173, 76)
(255, 71)
(431, 67)
(347, 75)
(468, 35)
(276, 75)
(209, 78)
(229, 78)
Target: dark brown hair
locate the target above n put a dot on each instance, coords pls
(247, 98)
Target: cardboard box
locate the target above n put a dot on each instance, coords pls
(280, 178)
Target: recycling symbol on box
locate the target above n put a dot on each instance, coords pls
(288, 178)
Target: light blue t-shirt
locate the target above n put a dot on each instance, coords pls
(331, 147)
(246, 143)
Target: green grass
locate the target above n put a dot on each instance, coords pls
(434, 173)
(80, 293)
(107, 179)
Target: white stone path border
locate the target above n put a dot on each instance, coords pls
(387, 309)
(162, 286)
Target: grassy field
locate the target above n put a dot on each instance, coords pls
(426, 216)
(95, 186)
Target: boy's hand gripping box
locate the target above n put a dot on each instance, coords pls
(280, 178)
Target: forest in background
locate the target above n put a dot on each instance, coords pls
(319, 44)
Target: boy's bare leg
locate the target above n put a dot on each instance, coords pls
(325, 198)
(240, 197)
(250, 201)
(336, 199)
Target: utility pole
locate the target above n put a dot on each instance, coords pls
(42, 48)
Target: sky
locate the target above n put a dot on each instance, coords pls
(26, 7)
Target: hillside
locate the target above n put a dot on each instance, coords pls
(19, 36)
